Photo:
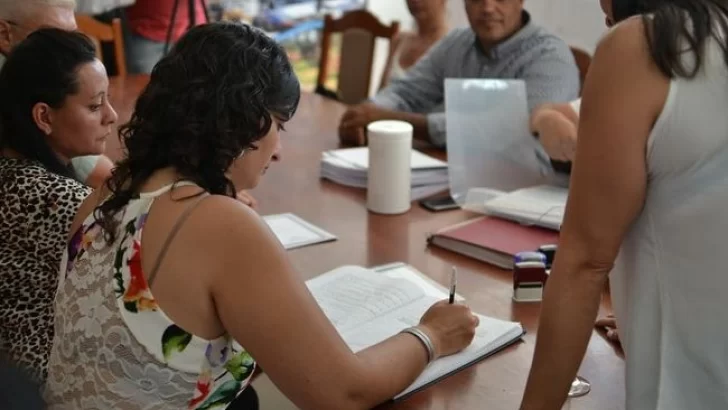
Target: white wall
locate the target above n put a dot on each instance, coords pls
(391, 10)
(585, 25)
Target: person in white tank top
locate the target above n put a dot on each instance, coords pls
(408, 47)
(648, 210)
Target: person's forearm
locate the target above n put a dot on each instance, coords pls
(418, 121)
(388, 368)
(569, 308)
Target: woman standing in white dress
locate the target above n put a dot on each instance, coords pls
(648, 203)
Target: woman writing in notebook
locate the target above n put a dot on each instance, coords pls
(647, 209)
(166, 306)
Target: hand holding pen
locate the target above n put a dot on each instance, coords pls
(453, 284)
(450, 326)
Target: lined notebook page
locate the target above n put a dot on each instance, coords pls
(367, 307)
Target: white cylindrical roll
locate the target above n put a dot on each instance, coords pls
(389, 175)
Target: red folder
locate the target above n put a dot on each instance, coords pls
(492, 240)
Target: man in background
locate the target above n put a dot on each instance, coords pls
(501, 42)
(18, 18)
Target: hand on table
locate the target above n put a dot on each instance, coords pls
(609, 323)
(354, 121)
(353, 136)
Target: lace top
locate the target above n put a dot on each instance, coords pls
(114, 348)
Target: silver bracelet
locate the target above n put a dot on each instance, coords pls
(424, 339)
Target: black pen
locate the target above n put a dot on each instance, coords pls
(453, 284)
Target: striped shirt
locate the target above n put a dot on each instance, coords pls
(534, 55)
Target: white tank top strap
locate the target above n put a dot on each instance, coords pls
(396, 70)
(166, 188)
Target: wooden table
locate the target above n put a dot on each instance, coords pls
(366, 239)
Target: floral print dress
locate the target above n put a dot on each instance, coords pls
(114, 348)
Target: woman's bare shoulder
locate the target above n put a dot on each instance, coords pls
(626, 39)
(223, 209)
(235, 235)
(232, 221)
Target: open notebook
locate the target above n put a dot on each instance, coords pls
(368, 306)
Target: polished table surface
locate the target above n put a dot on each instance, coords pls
(367, 239)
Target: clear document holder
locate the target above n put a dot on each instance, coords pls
(489, 146)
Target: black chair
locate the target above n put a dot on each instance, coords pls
(17, 390)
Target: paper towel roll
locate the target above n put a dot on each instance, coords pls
(389, 172)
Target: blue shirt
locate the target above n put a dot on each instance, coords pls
(532, 54)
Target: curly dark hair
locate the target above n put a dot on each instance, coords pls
(24, 82)
(210, 99)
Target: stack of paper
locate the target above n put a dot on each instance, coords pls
(349, 167)
(541, 205)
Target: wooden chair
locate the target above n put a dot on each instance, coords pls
(583, 60)
(359, 30)
(102, 32)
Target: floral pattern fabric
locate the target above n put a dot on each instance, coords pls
(115, 348)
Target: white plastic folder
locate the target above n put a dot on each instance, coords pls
(489, 144)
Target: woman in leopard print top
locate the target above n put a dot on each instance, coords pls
(49, 113)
